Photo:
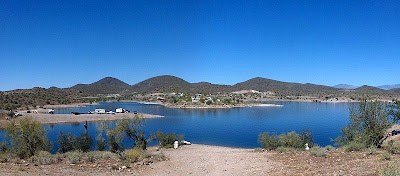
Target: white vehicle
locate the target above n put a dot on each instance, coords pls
(110, 112)
(120, 110)
(51, 111)
(100, 111)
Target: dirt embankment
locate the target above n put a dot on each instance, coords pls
(70, 118)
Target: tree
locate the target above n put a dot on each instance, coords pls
(27, 137)
(66, 142)
(368, 124)
(83, 142)
(133, 130)
(395, 111)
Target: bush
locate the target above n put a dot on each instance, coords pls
(353, 146)
(4, 148)
(393, 147)
(285, 150)
(66, 142)
(288, 140)
(101, 144)
(133, 155)
(167, 140)
(390, 169)
(27, 137)
(291, 140)
(43, 158)
(9, 157)
(317, 151)
(386, 155)
(329, 148)
(371, 150)
(73, 157)
(267, 141)
(368, 124)
(83, 143)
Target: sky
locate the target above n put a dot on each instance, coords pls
(63, 43)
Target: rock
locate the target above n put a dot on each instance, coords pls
(123, 167)
(35, 164)
(27, 164)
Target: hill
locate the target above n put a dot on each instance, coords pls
(389, 87)
(345, 86)
(164, 83)
(107, 85)
(283, 88)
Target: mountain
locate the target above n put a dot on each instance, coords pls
(345, 86)
(107, 85)
(370, 90)
(388, 87)
(164, 83)
(208, 88)
(284, 88)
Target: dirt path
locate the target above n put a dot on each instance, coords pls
(211, 160)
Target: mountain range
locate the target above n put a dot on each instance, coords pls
(168, 83)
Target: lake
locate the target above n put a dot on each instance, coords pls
(235, 127)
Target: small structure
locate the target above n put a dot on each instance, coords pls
(176, 144)
(100, 111)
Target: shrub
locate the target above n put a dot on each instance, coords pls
(133, 155)
(306, 138)
(317, 151)
(159, 156)
(4, 148)
(8, 157)
(267, 141)
(43, 158)
(66, 142)
(73, 157)
(101, 143)
(291, 140)
(393, 147)
(83, 143)
(353, 146)
(27, 137)
(386, 155)
(390, 169)
(285, 150)
(329, 148)
(371, 150)
(368, 124)
(167, 140)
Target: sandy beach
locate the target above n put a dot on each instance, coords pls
(71, 118)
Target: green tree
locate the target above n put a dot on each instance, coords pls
(133, 130)
(83, 142)
(66, 142)
(395, 111)
(368, 124)
(27, 137)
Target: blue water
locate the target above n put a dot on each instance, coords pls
(235, 127)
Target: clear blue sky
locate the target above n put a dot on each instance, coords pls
(62, 43)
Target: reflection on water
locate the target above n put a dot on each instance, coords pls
(236, 127)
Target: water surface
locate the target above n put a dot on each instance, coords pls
(235, 127)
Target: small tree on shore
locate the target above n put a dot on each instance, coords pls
(27, 137)
(133, 130)
(368, 124)
(66, 142)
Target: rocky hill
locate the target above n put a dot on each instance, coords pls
(106, 85)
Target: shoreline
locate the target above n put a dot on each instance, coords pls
(71, 118)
